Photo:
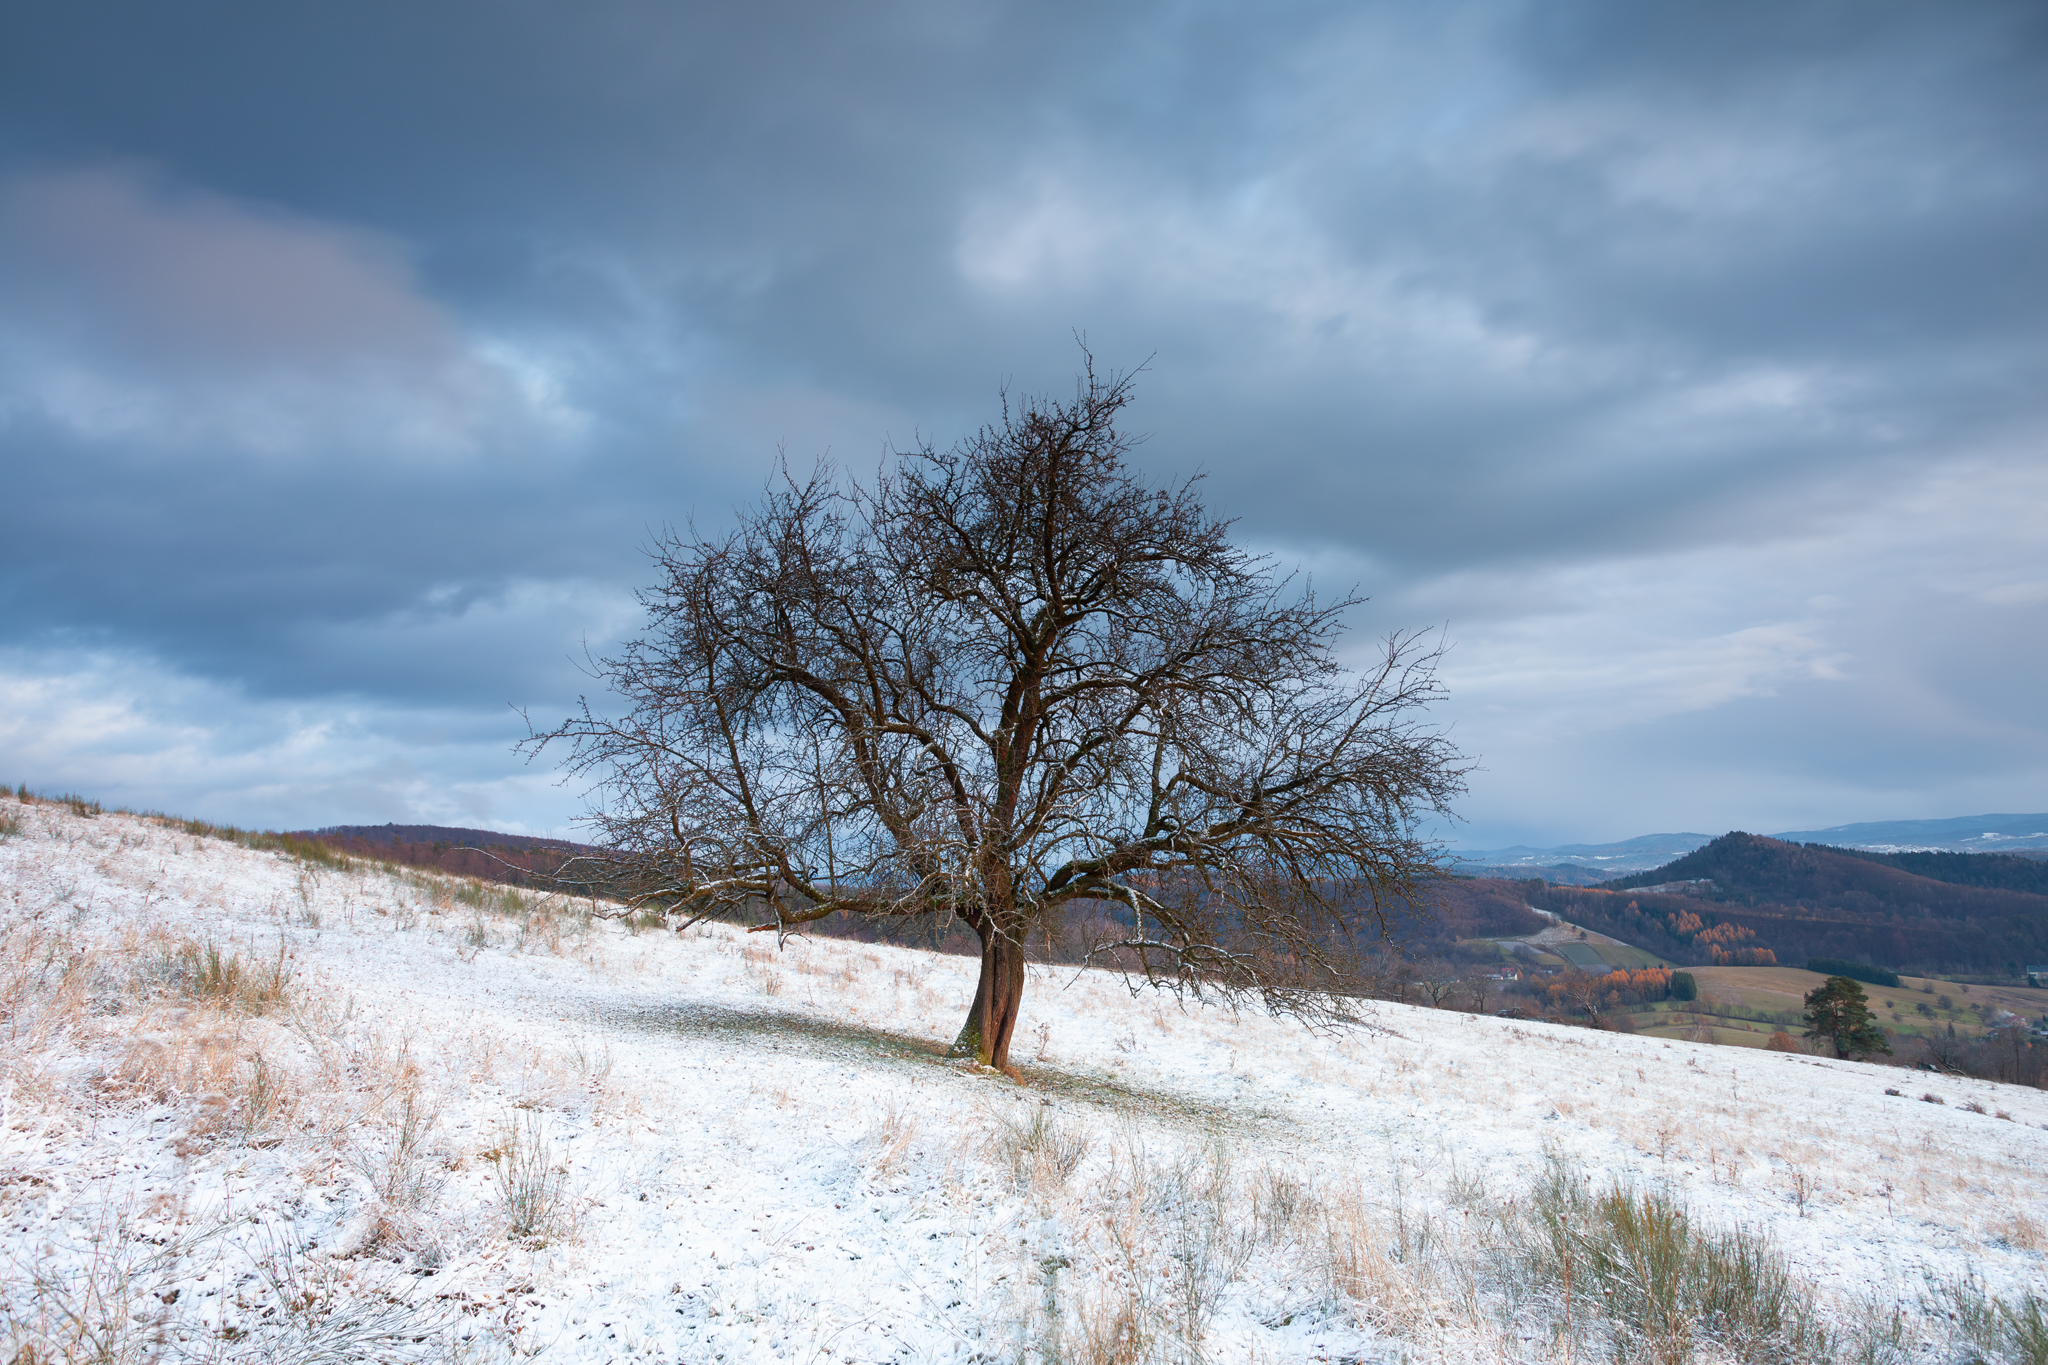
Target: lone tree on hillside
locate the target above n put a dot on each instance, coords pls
(1007, 677)
(1838, 1011)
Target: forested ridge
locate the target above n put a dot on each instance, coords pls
(2002, 871)
(516, 859)
(1808, 900)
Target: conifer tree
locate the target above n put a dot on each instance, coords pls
(1838, 1011)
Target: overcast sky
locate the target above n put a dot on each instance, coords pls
(1685, 364)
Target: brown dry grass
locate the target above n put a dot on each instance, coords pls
(891, 1135)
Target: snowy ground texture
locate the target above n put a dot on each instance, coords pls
(261, 1110)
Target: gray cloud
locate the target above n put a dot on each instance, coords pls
(1685, 362)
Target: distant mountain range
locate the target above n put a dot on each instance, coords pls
(1586, 864)
(1962, 834)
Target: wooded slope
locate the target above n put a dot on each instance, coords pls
(1805, 900)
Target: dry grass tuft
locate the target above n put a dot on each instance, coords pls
(1373, 1267)
(402, 1172)
(1042, 1153)
(894, 1129)
(1282, 1207)
(198, 972)
(2024, 1232)
(99, 1306)
(1989, 1328)
(1162, 1243)
(532, 1188)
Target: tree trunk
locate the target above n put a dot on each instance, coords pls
(998, 1001)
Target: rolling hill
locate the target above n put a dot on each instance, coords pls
(1799, 901)
(1585, 864)
(512, 859)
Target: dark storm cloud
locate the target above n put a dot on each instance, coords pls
(352, 350)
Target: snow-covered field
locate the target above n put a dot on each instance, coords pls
(501, 1130)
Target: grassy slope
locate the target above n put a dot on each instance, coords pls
(765, 1160)
(1782, 991)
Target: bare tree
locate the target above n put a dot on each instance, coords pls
(1436, 978)
(1006, 678)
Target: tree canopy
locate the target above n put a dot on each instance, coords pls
(1838, 1011)
(1002, 679)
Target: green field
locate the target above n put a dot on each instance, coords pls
(1747, 1003)
(1591, 954)
(1581, 955)
(1625, 955)
(1743, 1006)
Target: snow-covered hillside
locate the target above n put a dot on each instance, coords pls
(261, 1110)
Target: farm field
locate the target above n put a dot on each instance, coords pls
(1916, 1006)
(1562, 944)
(263, 1108)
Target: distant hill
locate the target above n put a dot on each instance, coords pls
(1564, 874)
(514, 859)
(1753, 869)
(1627, 855)
(1957, 834)
(2025, 835)
(1804, 900)
(434, 834)
(2005, 871)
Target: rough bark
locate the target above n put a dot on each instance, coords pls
(998, 1003)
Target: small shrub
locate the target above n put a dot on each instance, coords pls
(531, 1187)
(1931, 1098)
(406, 1177)
(10, 825)
(1041, 1150)
(1664, 1285)
(1993, 1328)
(1782, 1041)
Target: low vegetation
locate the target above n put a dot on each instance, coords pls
(1107, 1225)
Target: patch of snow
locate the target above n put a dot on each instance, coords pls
(762, 1156)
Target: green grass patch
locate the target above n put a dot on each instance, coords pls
(1666, 1287)
(1627, 955)
(1584, 956)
